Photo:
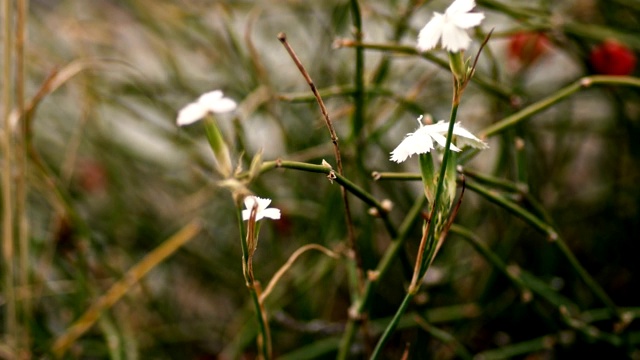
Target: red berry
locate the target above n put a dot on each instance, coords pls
(612, 58)
(527, 47)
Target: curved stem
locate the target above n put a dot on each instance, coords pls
(278, 275)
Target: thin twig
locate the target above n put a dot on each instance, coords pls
(475, 61)
(336, 149)
(22, 186)
(264, 340)
(280, 273)
(10, 321)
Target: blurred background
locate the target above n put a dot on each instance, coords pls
(110, 177)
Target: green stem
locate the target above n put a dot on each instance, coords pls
(346, 183)
(392, 325)
(491, 257)
(535, 222)
(251, 285)
(395, 176)
(427, 242)
(218, 146)
(479, 79)
(445, 337)
(553, 237)
(383, 267)
(515, 209)
(561, 94)
(495, 182)
(359, 106)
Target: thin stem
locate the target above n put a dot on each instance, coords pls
(7, 181)
(280, 273)
(395, 176)
(343, 181)
(381, 270)
(426, 244)
(21, 183)
(358, 96)
(443, 166)
(392, 325)
(492, 258)
(553, 237)
(560, 95)
(336, 149)
(479, 79)
(443, 336)
(248, 240)
(218, 146)
(538, 224)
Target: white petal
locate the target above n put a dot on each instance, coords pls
(421, 141)
(439, 127)
(210, 97)
(475, 143)
(460, 6)
(431, 33)
(262, 210)
(467, 20)
(271, 213)
(215, 102)
(418, 142)
(249, 201)
(191, 113)
(248, 204)
(221, 106)
(403, 150)
(454, 39)
(460, 131)
(400, 153)
(263, 203)
(467, 138)
(442, 141)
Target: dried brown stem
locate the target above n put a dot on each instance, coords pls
(336, 149)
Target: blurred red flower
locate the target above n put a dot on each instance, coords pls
(526, 47)
(612, 58)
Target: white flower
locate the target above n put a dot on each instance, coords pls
(213, 101)
(262, 212)
(450, 26)
(421, 141)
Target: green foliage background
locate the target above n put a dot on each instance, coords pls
(130, 178)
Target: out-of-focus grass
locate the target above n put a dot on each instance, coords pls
(131, 178)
